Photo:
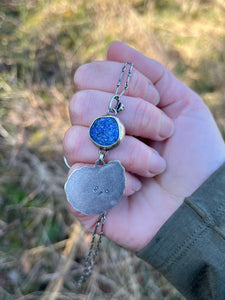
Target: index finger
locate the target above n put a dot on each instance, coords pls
(171, 90)
(103, 76)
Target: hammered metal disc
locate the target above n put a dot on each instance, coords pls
(94, 190)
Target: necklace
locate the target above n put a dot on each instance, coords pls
(95, 190)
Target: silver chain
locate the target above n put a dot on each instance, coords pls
(94, 247)
(119, 106)
(93, 252)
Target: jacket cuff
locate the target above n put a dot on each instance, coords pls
(193, 235)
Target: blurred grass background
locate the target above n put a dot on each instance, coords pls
(42, 246)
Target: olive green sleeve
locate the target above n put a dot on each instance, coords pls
(189, 249)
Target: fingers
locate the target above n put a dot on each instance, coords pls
(132, 183)
(170, 88)
(135, 156)
(103, 76)
(139, 117)
(120, 52)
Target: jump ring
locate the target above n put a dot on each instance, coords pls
(66, 162)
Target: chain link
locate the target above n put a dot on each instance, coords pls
(93, 251)
(116, 97)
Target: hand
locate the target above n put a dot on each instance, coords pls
(193, 152)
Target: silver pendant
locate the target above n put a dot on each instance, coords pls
(95, 190)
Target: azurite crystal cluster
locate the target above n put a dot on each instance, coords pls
(105, 131)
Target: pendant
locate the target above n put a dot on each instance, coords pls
(94, 190)
(106, 132)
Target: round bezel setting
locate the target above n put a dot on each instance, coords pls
(106, 132)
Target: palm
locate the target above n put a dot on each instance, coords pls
(192, 154)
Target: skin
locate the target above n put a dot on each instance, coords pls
(169, 150)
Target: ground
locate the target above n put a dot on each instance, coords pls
(42, 246)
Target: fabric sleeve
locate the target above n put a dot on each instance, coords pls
(189, 249)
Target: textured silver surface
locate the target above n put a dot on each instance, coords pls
(94, 190)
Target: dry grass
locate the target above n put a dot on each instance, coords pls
(42, 246)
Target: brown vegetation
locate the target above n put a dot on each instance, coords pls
(42, 246)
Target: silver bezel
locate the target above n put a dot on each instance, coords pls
(121, 133)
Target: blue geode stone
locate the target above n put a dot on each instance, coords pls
(105, 132)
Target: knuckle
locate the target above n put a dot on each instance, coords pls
(77, 141)
(134, 152)
(139, 85)
(135, 83)
(138, 158)
(142, 116)
(131, 184)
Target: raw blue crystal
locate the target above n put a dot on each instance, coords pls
(105, 131)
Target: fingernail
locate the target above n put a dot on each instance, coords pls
(136, 185)
(157, 97)
(153, 95)
(167, 127)
(157, 164)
